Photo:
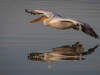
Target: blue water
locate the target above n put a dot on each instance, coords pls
(18, 38)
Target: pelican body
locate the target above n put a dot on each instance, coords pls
(56, 21)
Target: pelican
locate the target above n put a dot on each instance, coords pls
(56, 21)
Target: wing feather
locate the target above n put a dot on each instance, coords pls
(78, 25)
(86, 29)
(89, 31)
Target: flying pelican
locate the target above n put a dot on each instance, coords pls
(56, 21)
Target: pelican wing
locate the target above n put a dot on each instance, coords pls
(78, 25)
(35, 12)
(86, 29)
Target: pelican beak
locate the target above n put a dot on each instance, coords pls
(42, 18)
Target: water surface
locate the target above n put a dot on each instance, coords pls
(18, 39)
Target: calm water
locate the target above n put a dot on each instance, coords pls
(27, 49)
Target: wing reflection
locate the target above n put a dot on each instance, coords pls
(67, 52)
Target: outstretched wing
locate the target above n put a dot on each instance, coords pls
(37, 12)
(86, 29)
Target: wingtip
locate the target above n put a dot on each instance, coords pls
(97, 37)
(90, 32)
(26, 10)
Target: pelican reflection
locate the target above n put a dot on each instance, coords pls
(67, 52)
